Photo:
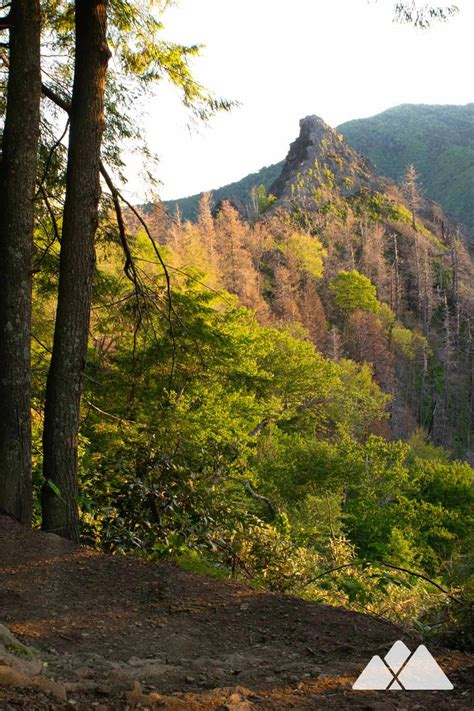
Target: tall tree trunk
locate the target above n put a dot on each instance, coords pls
(397, 276)
(65, 377)
(17, 189)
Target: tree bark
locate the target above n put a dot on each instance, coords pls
(80, 220)
(17, 189)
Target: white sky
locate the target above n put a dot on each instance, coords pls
(285, 59)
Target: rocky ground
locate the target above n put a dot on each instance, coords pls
(115, 633)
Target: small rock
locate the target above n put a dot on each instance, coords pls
(134, 662)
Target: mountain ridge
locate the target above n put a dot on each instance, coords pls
(361, 135)
(437, 139)
(321, 153)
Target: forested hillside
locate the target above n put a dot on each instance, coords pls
(438, 140)
(278, 393)
(357, 329)
(241, 193)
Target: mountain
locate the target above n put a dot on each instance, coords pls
(373, 273)
(319, 159)
(438, 140)
(322, 168)
(238, 192)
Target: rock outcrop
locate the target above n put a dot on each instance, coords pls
(320, 161)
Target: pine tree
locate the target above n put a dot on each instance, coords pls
(17, 190)
(236, 265)
(311, 313)
(205, 223)
(65, 377)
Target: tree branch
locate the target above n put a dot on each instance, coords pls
(50, 156)
(385, 565)
(51, 212)
(258, 497)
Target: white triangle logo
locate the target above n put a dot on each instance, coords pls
(423, 672)
(375, 676)
(401, 670)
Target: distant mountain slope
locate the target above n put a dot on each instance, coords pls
(238, 192)
(438, 140)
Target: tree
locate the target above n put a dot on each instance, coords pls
(353, 291)
(17, 189)
(65, 377)
(373, 261)
(140, 57)
(365, 341)
(206, 226)
(311, 312)
(411, 191)
(285, 293)
(306, 251)
(239, 274)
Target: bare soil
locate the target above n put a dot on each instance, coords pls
(117, 633)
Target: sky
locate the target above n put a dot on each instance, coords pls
(283, 60)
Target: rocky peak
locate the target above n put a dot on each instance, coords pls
(320, 159)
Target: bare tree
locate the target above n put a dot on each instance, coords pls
(411, 191)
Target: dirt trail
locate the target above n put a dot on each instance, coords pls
(119, 633)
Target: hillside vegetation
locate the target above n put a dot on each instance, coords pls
(246, 437)
(438, 140)
(302, 402)
(240, 192)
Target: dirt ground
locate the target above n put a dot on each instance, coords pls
(116, 633)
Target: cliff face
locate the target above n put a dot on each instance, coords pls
(321, 166)
(320, 160)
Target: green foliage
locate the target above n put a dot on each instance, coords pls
(307, 252)
(379, 206)
(272, 559)
(196, 416)
(239, 192)
(409, 342)
(264, 200)
(438, 140)
(352, 291)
